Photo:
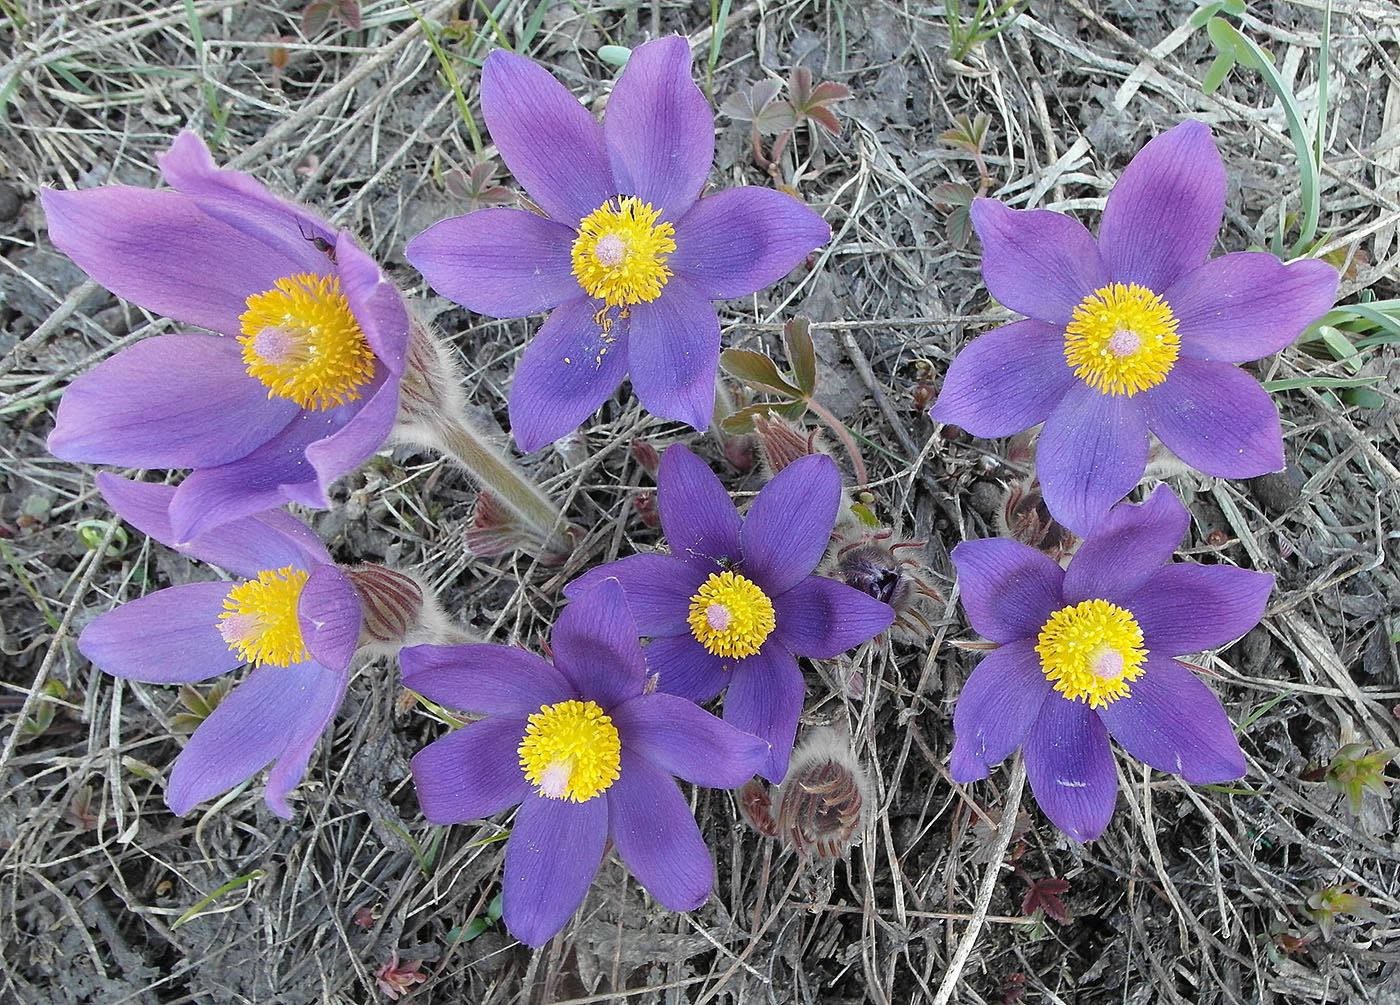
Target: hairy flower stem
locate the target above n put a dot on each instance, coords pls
(844, 435)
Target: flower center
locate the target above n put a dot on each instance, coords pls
(1122, 339)
(620, 252)
(301, 340)
(259, 621)
(570, 751)
(1092, 651)
(730, 616)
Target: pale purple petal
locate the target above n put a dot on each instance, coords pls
(1130, 544)
(596, 648)
(1163, 214)
(159, 251)
(1216, 418)
(504, 263)
(684, 667)
(482, 677)
(329, 615)
(659, 130)
(673, 354)
(787, 529)
(548, 140)
(822, 618)
(1035, 262)
(1186, 608)
(682, 739)
(996, 708)
(1006, 380)
(375, 301)
(366, 429)
(1009, 590)
(658, 588)
(276, 713)
(472, 772)
(740, 240)
(1070, 767)
(1091, 453)
(567, 371)
(553, 853)
(1246, 305)
(697, 515)
(1171, 721)
(656, 835)
(765, 699)
(172, 401)
(167, 637)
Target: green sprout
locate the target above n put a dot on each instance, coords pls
(986, 20)
(1353, 771)
(1326, 904)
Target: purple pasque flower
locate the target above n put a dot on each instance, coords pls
(1087, 651)
(587, 750)
(293, 615)
(628, 256)
(735, 603)
(299, 386)
(1132, 333)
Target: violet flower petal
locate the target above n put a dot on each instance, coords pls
(363, 429)
(656, 835)
(673, 354)
(1246, 305)
(565, 374)
(658, 588)
(765, 699)
(376, 303)
(595, 646)
(684, 667)
(472, 772)
(1070, 767)
(329, 615)
(1127, 547)
(171, 401)
(1091, 453)
(994, 713)
(140, 245)
(697, 515)
(532, 118)
(504, 263)
(1009, 590)
(1217, 419)
(167, 637)
(658, 128)
(740, 240)
(553, 853)
(1035, 262)
(1005, 381)
(787, 529)
(483, 677)
(1187, 608)
(1162, 216)
(319, 700)
(1173, 722)
(822, 618)
(682, 739)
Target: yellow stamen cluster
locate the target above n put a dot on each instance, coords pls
(301, 339)
(1091, 651)
(1122, 339)
(620, 253)
(259, 621)
(730, 616)
(570, 751)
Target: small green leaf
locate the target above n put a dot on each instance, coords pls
(797, 344)
(1220, 68)
(757, 369)
(615, 55)
(1294, 383)
(203, 902)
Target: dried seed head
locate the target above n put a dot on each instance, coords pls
(780, 442)
(824, 802)
(1024, 516)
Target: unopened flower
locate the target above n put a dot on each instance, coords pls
(628, 256)
(867, 562)
(296, 617)
(587, 750)
(824, 802)
(299, 386)
(1088, 651)
(1132, 333)
(736, 602)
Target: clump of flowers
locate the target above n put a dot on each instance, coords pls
(588, 752)
(1087, 651)
(295, 616)
(627, 257)
(1132, 333)
(736, 602)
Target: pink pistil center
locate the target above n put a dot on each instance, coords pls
(1107, 663)
(1124, 342)
(554, 780)
(718, 617)
(276, 345)
(610, 250)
